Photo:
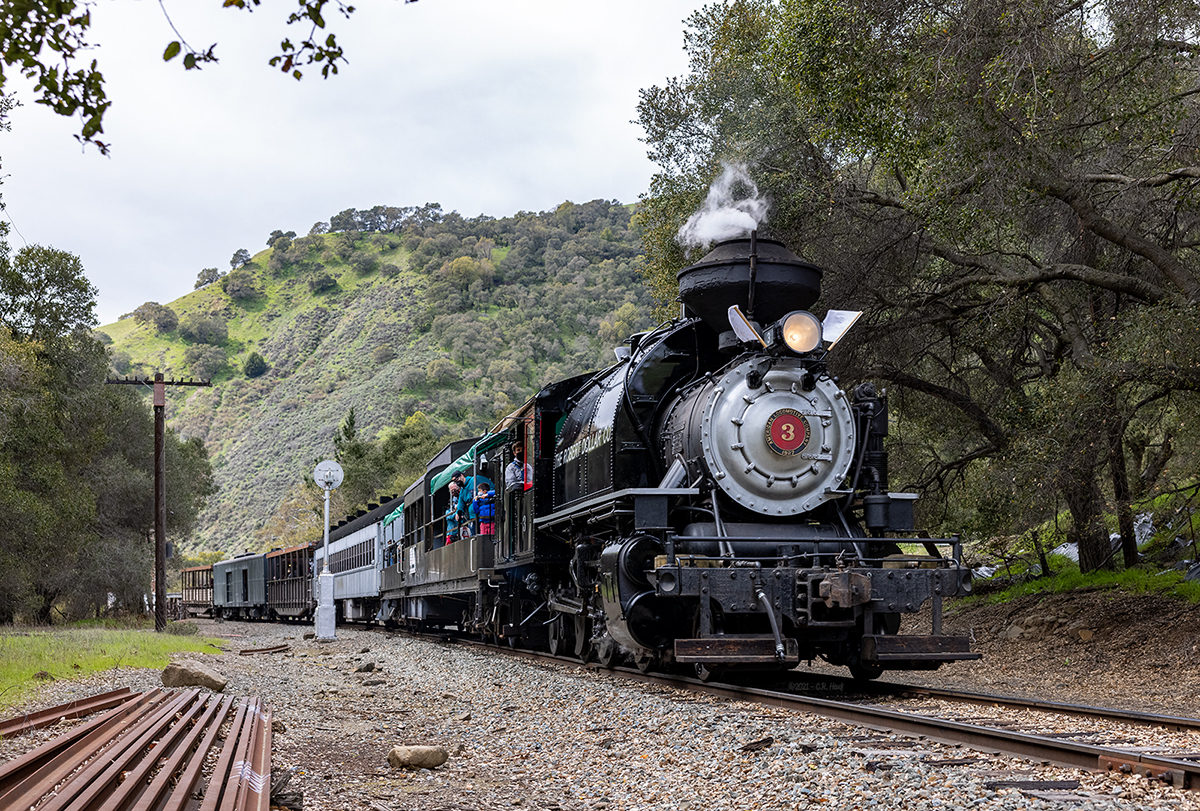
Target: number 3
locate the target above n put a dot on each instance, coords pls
(788, 432)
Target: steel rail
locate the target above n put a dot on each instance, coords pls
(1183, 774)
(86, 786)
(72, 709)
(31, 775)
(150, 754)
(1180, 773)
(275, 649)
(208, 726)
(1174, 723)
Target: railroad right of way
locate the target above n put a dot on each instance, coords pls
(540, 735)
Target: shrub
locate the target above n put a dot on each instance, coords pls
(203, 360)
(321, 283)
(441, 372)
(203, 329)
(161, 316)
(239, 285)
(121, 362)
(254, 366)
(364, 264)
(382, 353)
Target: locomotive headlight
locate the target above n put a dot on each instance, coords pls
(801, 331)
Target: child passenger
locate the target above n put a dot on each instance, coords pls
(485, 507)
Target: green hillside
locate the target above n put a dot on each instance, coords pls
(392, 312)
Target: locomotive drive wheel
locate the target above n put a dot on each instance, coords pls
(561, 635)
(582, 634)
(608, 654)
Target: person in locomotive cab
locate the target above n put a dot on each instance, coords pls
(519, 473)
(484, 506)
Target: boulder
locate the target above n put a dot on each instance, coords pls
(365, 668)
(417, 757)
(190, 674)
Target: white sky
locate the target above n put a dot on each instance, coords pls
(485, 106)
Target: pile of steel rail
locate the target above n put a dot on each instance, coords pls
(150, 752)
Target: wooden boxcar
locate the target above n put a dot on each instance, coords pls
(289, 582)
(197, 583)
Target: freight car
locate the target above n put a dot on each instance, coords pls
(197, 591)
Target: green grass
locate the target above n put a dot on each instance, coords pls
(1068, 578)
(78, 651)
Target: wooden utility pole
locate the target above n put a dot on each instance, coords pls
(160, 484)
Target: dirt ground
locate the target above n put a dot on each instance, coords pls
(1102, 647)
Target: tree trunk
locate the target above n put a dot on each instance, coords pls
(1120, 480)
(1077, 482)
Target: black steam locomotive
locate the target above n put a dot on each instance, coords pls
(713, 501)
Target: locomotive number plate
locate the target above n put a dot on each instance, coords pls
(787, 432)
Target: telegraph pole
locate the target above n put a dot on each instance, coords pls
(160, 484)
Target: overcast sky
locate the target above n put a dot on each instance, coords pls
(485, 106)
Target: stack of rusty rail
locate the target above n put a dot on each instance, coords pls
(148, 753)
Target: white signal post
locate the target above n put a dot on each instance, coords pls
(328, 475)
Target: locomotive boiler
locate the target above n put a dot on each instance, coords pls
(727, 504)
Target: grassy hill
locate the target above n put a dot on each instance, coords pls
(398, 311)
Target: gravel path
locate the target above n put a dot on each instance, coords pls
(534, 735)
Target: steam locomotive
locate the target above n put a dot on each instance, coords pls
(713, 501)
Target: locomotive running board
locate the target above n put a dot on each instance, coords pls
(732, 649)
(915, 651)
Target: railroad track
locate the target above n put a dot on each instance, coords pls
(1043, 742)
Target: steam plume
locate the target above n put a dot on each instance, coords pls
(723, 217)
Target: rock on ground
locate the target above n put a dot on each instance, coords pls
(192, 674)
(417, 757)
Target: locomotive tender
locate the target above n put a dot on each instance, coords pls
(713, 500)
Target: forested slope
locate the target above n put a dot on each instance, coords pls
(428, 325)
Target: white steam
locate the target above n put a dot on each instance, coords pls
(723, 217)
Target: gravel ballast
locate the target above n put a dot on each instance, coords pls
(540, 735)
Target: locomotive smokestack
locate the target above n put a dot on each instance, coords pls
(761, 276)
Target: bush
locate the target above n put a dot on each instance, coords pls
(121, 362)
(322, 283)
(364, 264)
(240, 286)
(441, 372)
(203, 329)
(204, 361)
(383, 353)
(161, 316)
(254, 365)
